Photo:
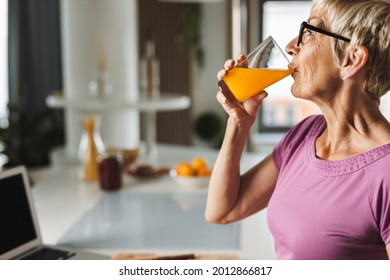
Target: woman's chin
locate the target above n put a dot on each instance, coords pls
(300, 92)
(294, 91)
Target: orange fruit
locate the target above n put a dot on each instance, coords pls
(203, 171)
(184, 169)
(199, 165)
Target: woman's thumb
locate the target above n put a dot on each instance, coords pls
(258, 98)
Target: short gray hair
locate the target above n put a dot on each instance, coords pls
(366, 23)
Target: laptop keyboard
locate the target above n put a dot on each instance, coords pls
(49, 254)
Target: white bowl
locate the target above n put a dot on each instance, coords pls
(191, 181)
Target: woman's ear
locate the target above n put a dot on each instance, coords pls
(354, 61)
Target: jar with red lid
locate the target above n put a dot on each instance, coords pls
(110, 171)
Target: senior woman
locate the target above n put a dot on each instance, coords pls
(327, 183)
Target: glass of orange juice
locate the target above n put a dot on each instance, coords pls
(264, 66)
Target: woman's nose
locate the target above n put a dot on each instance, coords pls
(292, 48)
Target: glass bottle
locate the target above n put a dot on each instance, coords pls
(150, 88)
(101, 86)
(150, 71)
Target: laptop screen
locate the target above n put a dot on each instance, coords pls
(17, 226)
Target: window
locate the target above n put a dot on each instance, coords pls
(281, 110)
(4, 59)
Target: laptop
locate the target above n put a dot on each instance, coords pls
(20, 236)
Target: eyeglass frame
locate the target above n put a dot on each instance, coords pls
(304, 25)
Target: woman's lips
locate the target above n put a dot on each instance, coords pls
(294, 69)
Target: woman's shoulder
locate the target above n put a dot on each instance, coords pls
(298, 136)
(310, 126)
(380, 162)
(313, 121)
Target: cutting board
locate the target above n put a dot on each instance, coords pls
(131, 256)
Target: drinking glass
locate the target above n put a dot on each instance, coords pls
(264, 66)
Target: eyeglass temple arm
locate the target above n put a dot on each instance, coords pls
(314, 28)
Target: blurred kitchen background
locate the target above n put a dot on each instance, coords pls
(54, 53)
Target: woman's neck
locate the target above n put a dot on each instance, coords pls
(353, 127)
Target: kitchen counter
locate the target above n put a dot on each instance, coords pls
(146, 216)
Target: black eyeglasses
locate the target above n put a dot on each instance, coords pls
(319, 30)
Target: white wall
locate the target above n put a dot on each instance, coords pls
(214, 40)
(90, 28)
(385, 105)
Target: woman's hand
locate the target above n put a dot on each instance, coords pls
(247, 109)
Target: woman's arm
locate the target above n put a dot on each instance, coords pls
(231, 196)
(388, 250)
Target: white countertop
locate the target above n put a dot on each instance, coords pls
(65, 204)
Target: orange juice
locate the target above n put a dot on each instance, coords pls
(242, 83)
